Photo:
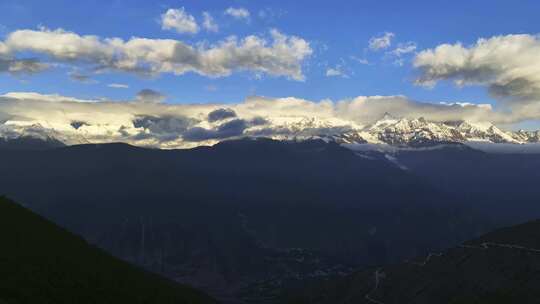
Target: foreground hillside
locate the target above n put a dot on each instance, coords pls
(499, 267)
(42, 263)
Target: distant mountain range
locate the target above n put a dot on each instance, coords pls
(389, 130)
(404, 132)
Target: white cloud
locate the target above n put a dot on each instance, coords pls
(381, 42)
(333, 72)
(23, 96)
(180, 21)
(509, 66)
(336, 71)
(118, 86)
(281, 56)
(238, 13)
(398, 54)
(62, 45)
(403, 49)
(363, 61)
(208, 23)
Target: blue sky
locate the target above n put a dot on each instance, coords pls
(335, 30)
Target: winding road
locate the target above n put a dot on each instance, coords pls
(379, 274)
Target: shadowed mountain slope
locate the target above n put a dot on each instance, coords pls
(499, 267)
(43, 263)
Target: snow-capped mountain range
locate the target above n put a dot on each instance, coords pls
(405, 132)
(390, 131)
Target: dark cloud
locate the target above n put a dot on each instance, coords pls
(164, 124)
(76, 124)
(232, 128)
(520, 89)
(508, 66)
(123, 130)
(81, 77)
(229, 129)
(22, 66)
(149, 96)
(259, 121)
(220, 114)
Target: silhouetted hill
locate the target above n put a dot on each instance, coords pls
(499, 267)
(43, 263)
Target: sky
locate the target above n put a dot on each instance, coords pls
(349, 61)
(338, 32)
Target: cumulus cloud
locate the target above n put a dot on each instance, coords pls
(208, 23)
(61, 45)
(381, 42)
(180, 21)
(149, 96)
(508, 66)
(281, 56)
(238, 13)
